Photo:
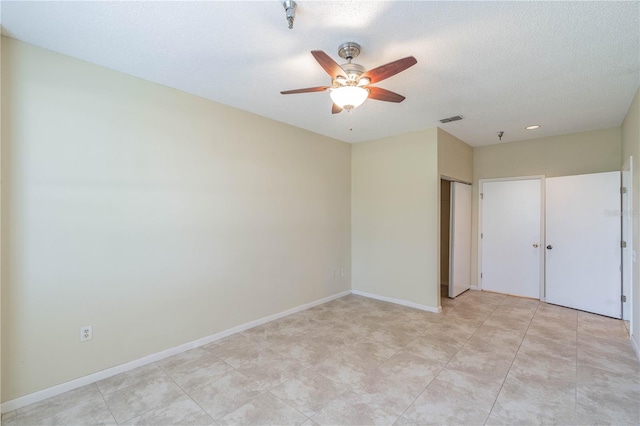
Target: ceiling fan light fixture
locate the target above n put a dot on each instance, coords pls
(349, 97)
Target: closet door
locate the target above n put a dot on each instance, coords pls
(460, 239)
(583, 242)
(511, 234)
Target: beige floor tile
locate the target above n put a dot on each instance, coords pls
(225, 395)
(615, 355)
(192, 367)
(550, 331)
(271, 372)
(604, 397)
(386, 390)
(454, 398)
(456, 331)
(354, 409)
(84, 403)
(370, 352)
(123, 380)
(265, 409)
(437, 347)
(558, 315)
(533, 345)
(544, 370)
(392, 338)
(482, 362)
(526, 402)
(415, 371)
(243, 352)
(138, 398)
(343, 369)
(307, 353)
(182, 411)
(9, 419)
(600, 327)
(498, 336)
(308, 392)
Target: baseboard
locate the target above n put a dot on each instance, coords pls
(100, 375)
(635, 346)
(474, 287)
(399, 301)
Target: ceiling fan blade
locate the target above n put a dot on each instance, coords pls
(307, 90)
(390, 69)
(380, 94)
(329, 65)
(335, 109)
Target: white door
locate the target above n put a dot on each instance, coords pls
(511, 242)
(460, 239)
(627, 237)
(583, 242)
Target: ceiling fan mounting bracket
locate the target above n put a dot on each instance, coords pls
(349, 50)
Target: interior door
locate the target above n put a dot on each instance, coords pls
(583, 242)
(460, 239)
(511, 237)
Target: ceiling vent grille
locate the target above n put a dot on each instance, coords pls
(450, 119)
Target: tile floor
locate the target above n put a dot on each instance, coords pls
(487, 359)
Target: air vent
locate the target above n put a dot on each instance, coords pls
(450, 119)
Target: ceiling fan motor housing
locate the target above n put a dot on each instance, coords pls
(349, 50)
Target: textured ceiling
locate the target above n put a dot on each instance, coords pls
(567, 66)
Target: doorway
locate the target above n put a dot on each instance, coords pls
(455, 238)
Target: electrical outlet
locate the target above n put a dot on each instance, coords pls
(86, 333)
(334, 274)
(342, 272)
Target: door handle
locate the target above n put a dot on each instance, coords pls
(549, 247)
(535, 245)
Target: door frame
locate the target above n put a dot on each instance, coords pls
(542, 226)
(627, 236)
(450, 179)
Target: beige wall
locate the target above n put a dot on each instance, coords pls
(455, 158)
(631, 147)
(576, 153)
(155, 216)
(395, 189)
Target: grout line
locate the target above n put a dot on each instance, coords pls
(105, 402)
(512, 361)
(185, 392)
(452, 356)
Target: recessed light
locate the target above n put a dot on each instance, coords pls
(535, 126)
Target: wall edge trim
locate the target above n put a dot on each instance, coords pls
(43, 394)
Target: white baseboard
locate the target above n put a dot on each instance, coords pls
(100, 375)
(474, 287)
(399, 301)
(635, 347)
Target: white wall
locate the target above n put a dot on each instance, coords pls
(156, 216)
(631, 146)
(395, 186)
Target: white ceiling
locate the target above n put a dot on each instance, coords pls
(567, 66)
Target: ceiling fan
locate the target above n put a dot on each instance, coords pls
(350, 82)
